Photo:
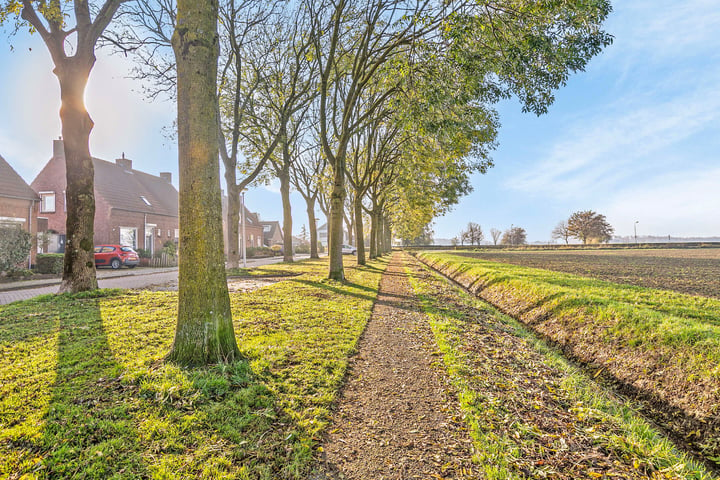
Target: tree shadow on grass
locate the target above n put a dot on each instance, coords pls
(88, 429)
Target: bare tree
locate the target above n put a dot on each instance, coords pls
(561, 231)
(495, 234)
(473, 233)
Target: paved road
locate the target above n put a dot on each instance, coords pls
(123, 278)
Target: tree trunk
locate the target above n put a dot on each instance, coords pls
(233, 220)
(310, 203)
(204, 332)
(349, 227)
(79, 260)
(373, 235)
(285, 195)
(359, 234)
(378, 234)
(387, 237)
(335, 222)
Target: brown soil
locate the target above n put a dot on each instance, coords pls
(695, 272)
(397, 417)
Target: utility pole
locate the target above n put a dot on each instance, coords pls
(635, 229)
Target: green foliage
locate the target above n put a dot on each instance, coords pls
(81, 397)
(303, 248)
(49, 263)
(15, 244)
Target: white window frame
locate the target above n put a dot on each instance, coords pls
(43, 196)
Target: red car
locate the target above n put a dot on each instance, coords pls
(115, 256)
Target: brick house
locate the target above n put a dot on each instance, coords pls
(253, 228)
(18, 202)
(272, 233)
(131, 207)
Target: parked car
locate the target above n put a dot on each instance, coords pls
(115, 256)
(349, 250)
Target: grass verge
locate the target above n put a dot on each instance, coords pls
(662, 347)
(84, 392)
(530, 413)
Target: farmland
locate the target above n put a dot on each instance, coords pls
(691, 271)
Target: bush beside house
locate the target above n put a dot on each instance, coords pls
(15, 247)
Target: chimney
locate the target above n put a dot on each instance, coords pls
(167, 176)
(58, 148)
(123, 162)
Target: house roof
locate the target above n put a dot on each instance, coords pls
(134, 190)
(271, 230)
(12, 185)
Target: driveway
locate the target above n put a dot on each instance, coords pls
(107, 278)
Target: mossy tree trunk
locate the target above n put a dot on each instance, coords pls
(204, 332)
(232, 219)
(79, 260)
(359, 231)
(310, 209)
(284, 176)
(335, 222)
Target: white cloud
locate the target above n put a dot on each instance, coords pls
(600, 152)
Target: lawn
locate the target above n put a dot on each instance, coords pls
(84, 392)
(660, 347)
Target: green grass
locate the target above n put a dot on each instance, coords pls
(84, 392)
(663, 344)
(524, 403)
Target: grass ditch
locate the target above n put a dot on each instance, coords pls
(531, 413)
(84, 392)
(661, 347)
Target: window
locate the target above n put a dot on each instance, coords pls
(159, 232)
(47, 202)
(266, 228)
(128, 236)
(142, 197)
(169, 234)
(177, 233)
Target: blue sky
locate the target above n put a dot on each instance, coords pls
(636, 137)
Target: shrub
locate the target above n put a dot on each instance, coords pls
(144, 253)
(49, 263)
(14, 247)
(20, 273)
(259, 252)
(302, 248)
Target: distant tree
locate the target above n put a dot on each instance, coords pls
(304, 233)
(514, 236)
(454, 241)
(473, 233)
(588, 226)
(496, 234)
(561, 231)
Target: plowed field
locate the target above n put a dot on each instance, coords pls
(692, 271)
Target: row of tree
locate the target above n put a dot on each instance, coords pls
(473, 235)
(586, 226)
(379, 111)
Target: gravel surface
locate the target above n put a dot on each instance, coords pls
(397, 417)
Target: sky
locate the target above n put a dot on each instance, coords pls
(635, 137)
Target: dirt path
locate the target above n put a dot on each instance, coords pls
(396, 419)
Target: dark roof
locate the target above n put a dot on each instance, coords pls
(125, 189)
(12, 185)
